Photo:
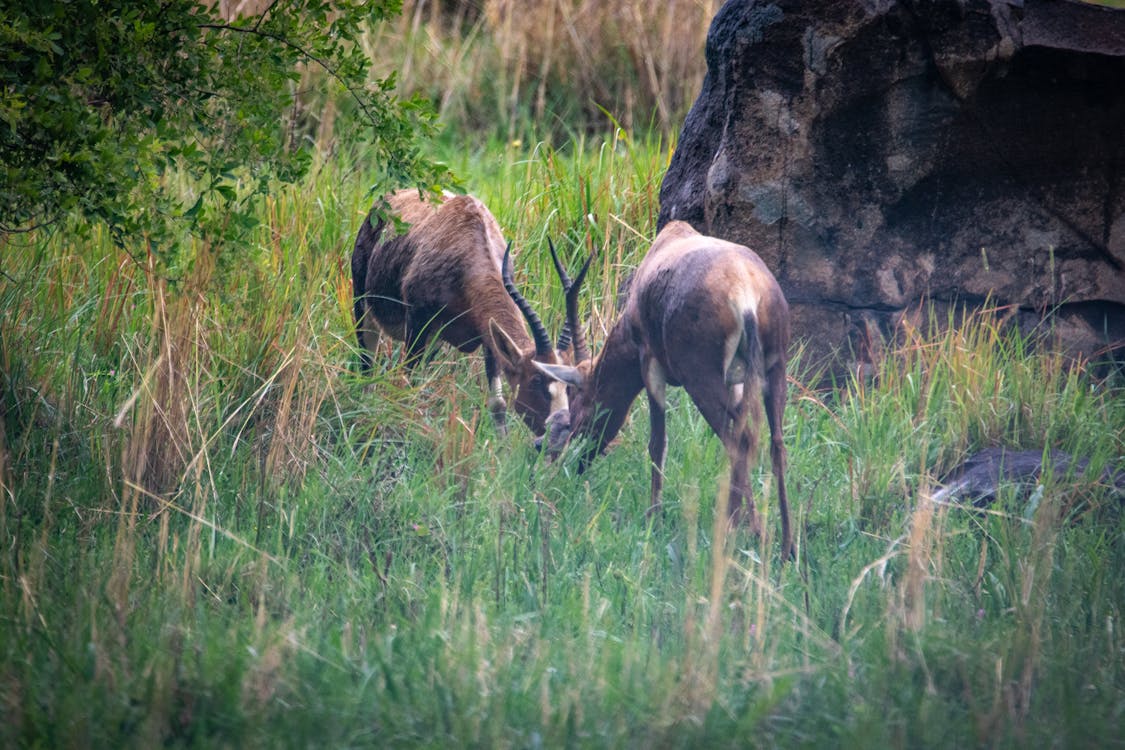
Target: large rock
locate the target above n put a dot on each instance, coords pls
(879, 154)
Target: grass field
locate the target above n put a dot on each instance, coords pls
(215, 533)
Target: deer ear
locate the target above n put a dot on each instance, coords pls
(562, 373)
(504, 347)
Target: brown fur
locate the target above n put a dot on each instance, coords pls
(442, 277)
(707, 315)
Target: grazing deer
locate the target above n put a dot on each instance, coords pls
(449, 275)
(704, 314)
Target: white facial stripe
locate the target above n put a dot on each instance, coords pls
(558, 396)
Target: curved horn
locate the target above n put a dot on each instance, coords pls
(581, 353)
(538, 331)
(567, 330)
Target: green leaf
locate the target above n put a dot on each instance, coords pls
(192, 212)
(114, 110)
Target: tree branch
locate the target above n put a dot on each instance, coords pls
(5, 229)
(255, 31)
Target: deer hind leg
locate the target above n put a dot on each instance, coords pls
(418, 330)
(359, 307)
(726, 408)
(368, 334)
(741, 446)
(370, 339)
(775, 396)
(656, 387)
(497, 406)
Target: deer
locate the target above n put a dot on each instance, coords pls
(449, 276)
(703, 314)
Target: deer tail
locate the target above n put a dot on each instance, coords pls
(749, 364)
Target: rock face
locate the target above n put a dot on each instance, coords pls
(880, 154)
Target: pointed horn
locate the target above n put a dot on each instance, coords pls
(538, 331)
(566, 282)
(567, 331)
(581, 353)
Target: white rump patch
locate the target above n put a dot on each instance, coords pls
(744, 301)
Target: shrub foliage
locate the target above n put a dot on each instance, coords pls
(158, 115)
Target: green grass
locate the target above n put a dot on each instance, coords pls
(215, 533)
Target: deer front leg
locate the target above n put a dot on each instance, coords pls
(416, 341)
(726, 410)
(656, 387)
(497, 406)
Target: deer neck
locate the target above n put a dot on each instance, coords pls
(614, 384)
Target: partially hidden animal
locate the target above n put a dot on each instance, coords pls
(978, 478)
(704, 314)
(428, 266)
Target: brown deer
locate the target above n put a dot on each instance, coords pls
(704, 314)
(449, 275)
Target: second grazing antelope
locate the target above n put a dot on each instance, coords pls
(449, 276)
(704, 314)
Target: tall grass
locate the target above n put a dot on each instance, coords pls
(216, 533)
(549, 66)
(583, 51)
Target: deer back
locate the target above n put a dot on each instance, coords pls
(382, 255)
(695, 299)
(444, 271)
